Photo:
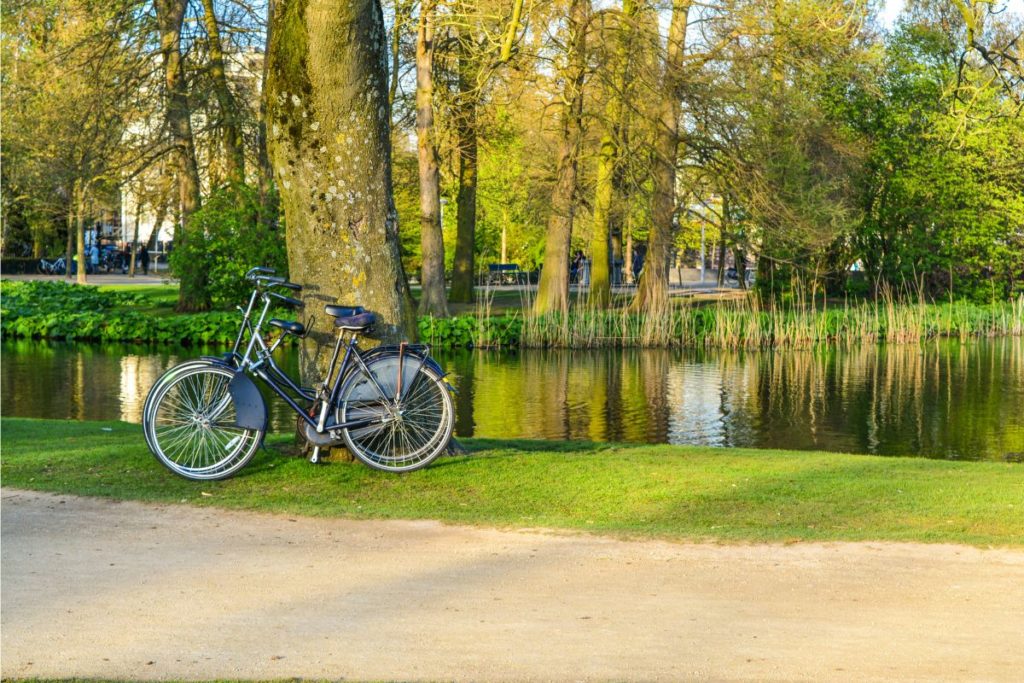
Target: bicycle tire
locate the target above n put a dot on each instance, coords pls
(414, 433)
(167, 376)
(189, 427)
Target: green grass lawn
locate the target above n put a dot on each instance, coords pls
(159, 299)
(669, 492)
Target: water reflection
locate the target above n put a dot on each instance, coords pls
(944, 399)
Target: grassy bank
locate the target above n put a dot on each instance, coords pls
(630, 490)
(54, 310)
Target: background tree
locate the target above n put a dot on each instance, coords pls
(433, 300)
(553, 289)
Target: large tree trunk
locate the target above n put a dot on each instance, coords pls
(652, 292)
(464, 266)
(607, 159)
(330, 146)
(432, 298)
(192, 294)
(553, 291)
(234, 149)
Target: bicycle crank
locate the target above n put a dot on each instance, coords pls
(325, 438)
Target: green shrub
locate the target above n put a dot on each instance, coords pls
(225, 239)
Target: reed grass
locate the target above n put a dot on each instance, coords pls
(745, 323)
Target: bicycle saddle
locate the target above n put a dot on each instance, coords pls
(339, 311)
(288, 326)
(357, 322)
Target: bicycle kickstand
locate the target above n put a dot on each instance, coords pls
(315, 457)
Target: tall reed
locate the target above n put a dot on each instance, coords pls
(746, 323)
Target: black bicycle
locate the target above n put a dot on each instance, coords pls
(390, 405)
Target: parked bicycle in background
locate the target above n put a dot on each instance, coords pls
(56, 267)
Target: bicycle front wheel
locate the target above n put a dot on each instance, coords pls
(190, 427)
(404, 434)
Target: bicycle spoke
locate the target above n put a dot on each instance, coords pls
(190, 425)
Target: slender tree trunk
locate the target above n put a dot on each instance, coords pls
(234, 148)
(327, 105)
(720, 277)
(607, 159)
(69, 251)
(432, 298)
(403, 11)
(740, 259)
(627, 258)
(464, 266)
(192, 295)
(268, 207)
(652, 292)
(510, 33)
(135, 237)
(553, 291)
(161, 216)
(81, 190)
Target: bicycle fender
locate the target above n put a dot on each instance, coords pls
(250, 408)
(410, 351)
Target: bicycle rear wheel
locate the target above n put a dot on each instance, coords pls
(189, 423)
(406, 434)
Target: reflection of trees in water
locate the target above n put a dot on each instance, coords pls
(138, 374)
(941, 398)
(654, 365)
(462, 374)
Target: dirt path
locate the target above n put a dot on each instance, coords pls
(95, 589)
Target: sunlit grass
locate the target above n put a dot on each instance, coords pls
(642, 491)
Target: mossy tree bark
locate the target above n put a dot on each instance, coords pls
(553, 290)
(329, 139)
(652, 291)
(464, 266)
(432, 298)
(607, 159)
(192, 295)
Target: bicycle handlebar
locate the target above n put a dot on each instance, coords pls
(286, 299)
(259, 270)
(281, 282)
(272, 280)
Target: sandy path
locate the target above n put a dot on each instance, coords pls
(92, 588)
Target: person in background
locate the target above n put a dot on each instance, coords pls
(637, 265)
(575, 268)
(144, 259)
(94, 258)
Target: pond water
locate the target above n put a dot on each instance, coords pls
(941, 400)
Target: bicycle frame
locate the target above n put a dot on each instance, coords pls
(258, 360)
